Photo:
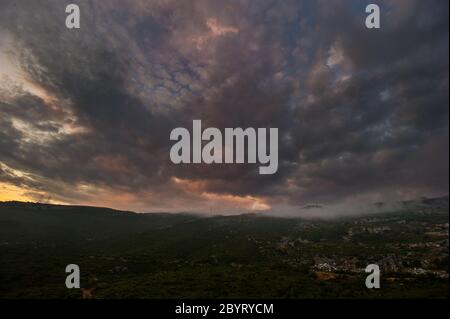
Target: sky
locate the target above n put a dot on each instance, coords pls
(86, 114)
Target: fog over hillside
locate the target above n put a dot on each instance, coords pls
(312, 211)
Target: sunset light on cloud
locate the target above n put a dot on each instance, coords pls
(86, 115)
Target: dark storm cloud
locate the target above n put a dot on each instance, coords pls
(359, 111)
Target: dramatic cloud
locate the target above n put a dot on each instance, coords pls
(85, 115)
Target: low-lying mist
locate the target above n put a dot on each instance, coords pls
(351, 209)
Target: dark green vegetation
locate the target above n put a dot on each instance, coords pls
(127, 255)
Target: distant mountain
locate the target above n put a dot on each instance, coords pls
(438, 202)
(46, 221)
(312, 206)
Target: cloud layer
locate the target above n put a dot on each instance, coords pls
(85, 115)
